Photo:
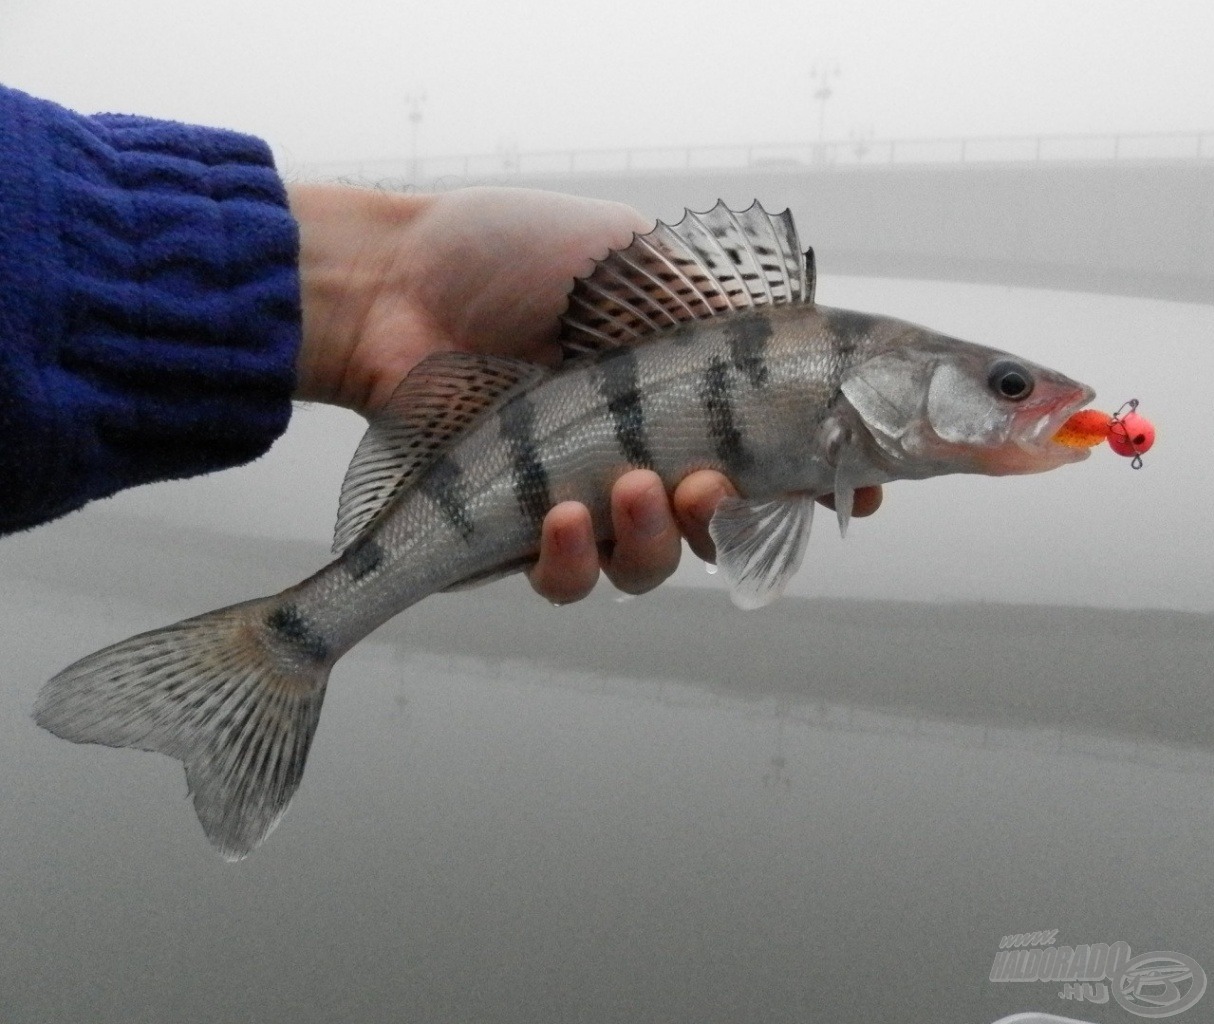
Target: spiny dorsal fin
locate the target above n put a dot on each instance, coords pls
(443, 398)
(706, 264)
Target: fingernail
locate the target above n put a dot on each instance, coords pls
(649, 515)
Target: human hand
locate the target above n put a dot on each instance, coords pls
(389, 278)
(647, 529)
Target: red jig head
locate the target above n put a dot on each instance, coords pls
(1130, 434)
(1127, 432)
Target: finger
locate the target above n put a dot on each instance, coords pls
(568, 566)
(866, 501)
(647, 541)
(695, 500)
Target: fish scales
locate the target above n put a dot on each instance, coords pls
(700, 346)
(572, 440)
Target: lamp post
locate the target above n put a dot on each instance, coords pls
(415, 101)
(822, 77)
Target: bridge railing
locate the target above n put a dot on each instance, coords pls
(776, 157)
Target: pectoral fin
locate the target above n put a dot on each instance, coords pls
(760, 545)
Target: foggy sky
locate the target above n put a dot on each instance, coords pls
(328, 81)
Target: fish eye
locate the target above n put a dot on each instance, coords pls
(1010, 380)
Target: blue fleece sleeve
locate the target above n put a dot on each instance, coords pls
(149, 304)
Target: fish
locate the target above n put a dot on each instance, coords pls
(700, 345)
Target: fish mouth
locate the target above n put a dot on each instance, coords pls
(1047, 426)
(1034, 431)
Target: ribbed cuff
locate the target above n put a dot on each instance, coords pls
(162, 317)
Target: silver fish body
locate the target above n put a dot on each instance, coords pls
(697, 347)
(750, 396)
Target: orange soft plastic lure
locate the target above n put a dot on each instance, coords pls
(1127, 432)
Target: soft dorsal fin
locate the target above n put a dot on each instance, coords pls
(706, 264)
(443, 398)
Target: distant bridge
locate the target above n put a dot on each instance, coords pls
(855, 152)
(1124, 214)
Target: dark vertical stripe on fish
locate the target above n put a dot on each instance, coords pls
(849, 329)
(748, 336)
(529, 475)
(295, 629)
(443, 484)
(619, 385)
(363, 557)
(716, 395)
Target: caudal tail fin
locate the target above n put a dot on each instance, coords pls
(235, 695)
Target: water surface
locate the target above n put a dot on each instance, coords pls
(660, 809)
